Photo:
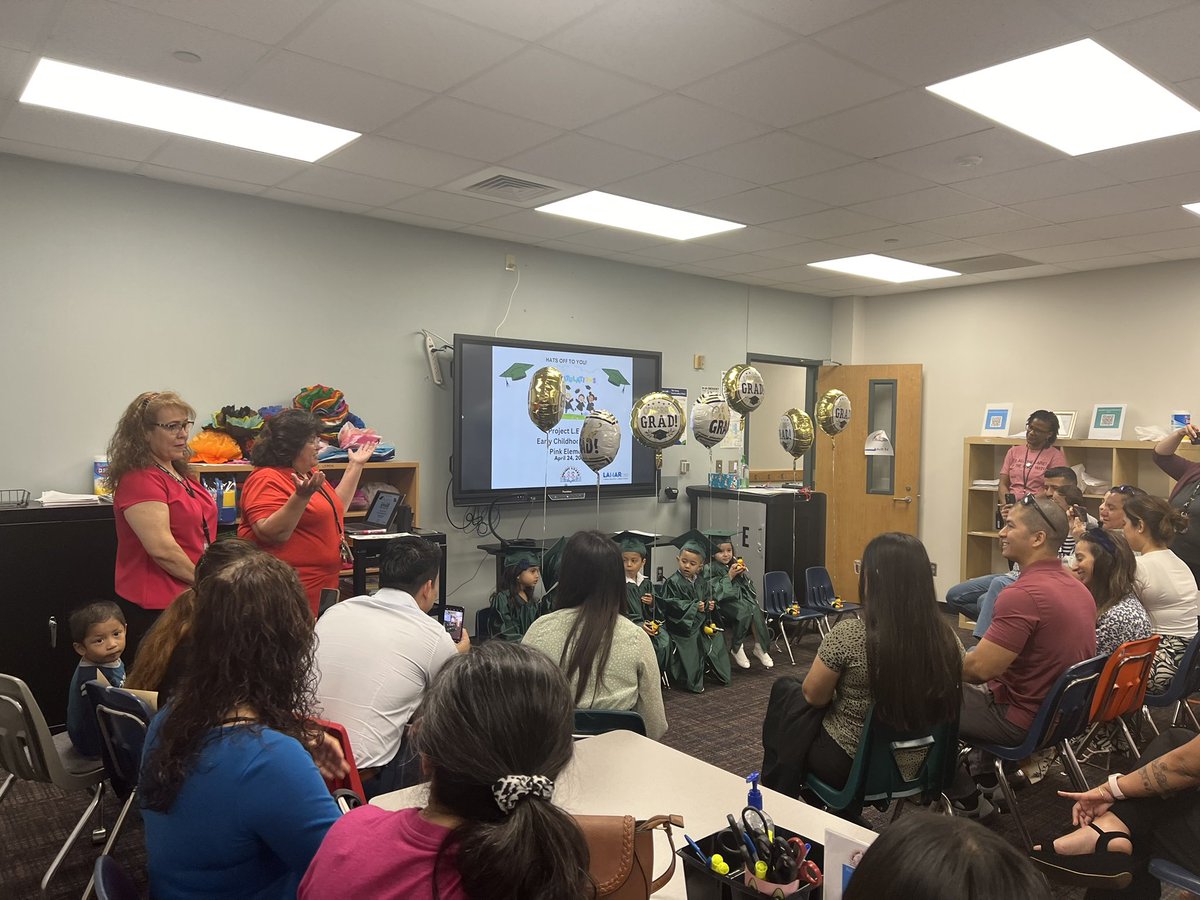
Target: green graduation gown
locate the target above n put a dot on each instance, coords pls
(638, 612)
(693, 650)
(515, 617)
(737, 602)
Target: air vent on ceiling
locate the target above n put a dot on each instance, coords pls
(513, 188)
(995, 262)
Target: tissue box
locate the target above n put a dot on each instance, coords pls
(719, 480)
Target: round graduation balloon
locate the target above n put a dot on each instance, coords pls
(833, 412)
(710, 419)
(547, 400)
(657, 420)
(796, 432)
(599, 439)
(743, 387)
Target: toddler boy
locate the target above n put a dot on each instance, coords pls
(98, 636)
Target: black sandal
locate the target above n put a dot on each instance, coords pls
(1103, 869)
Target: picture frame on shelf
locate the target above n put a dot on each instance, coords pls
(1107, 422)
(996, 419)
(1066, 423)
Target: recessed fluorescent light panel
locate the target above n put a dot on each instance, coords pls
(637, 215)
(883, 268)
(1079, 98)
(90, 92)
(1192, 208)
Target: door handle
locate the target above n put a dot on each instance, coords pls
(902, 499)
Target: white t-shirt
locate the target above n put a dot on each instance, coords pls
(376, 656)
(1168, 591)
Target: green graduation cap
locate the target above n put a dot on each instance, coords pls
(632, 542)
(615, 378)
(521, 558)
(695, 541)
(551, 559)
(516, 371)
(717, 537)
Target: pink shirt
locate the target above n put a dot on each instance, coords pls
(139, 579)
(370, 852)
(1026, 469)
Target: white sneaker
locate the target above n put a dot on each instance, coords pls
(763, 657)
(739, 657)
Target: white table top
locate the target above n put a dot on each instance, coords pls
(598, 782)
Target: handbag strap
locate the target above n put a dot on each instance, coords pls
(665, 823)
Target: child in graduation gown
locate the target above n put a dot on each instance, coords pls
(641, 607)
(737, 601)
(513, 600)
(688, 605)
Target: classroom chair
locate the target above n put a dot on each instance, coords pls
(1120, 690)
(1185, 683)
(28, 752)
(487, 620)
(1175, 876)
(352, 781)
(1064, 714)
(778, 595)
(875, 776)
(589, 722)
(112, 881)
(819, 596)
(122, 718)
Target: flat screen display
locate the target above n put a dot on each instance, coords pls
(500, 455)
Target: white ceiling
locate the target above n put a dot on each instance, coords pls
(805, 119)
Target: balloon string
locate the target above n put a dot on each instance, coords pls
(829, 499)
(597, 500)
(545, 491)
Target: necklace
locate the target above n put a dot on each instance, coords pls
(192, 494)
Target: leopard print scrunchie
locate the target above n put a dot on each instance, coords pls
(512, 789)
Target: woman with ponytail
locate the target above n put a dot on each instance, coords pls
(494, 732)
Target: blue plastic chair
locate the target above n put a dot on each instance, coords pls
(1185, 683)
(875, 776)
(589, 722)
(778, 595)
(112, 881)
(1176, 876)
(819, 596)
(1065, 713)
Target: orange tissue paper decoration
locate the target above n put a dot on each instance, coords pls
(214, 447)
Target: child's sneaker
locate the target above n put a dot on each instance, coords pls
(762, 656)
(739, 657)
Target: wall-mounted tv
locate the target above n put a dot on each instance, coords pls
(501, 456)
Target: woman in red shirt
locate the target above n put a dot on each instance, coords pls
(289, 511)
(164, 517)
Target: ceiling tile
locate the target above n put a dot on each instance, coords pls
(384, 158)
(744, 240)
(888, 240)
(453, 207)
(1162, 46)
(1110, 261)
(674, 127)
(744, 262)
(411, 218)
(230, 163)
(1052, 179)
(772, 158)
(128, 41)
(679, 185)
(1147, 221)
(1026, 272)
(195, 179)
(35, 125)
(668, 42)
(499, 234)
(923, 41)
(454, 126)
(758, 206)
(942, 251)
(815, 251)
(900, 122)
(320, 202)
(611, 240)
(346, 186)
(811, 16)
(26, 24)
(265, 21)
(685, 251)
(1084, 250)
(950, 161)
(1023, 239)
(1173, 189)
(1108, 201)
(1164, 240)
(584, 161)
(553, 89)
(62, 155)
(322, 92)
(830, 223)
(855, 184)
(1103, 15)
(1175, 155)
(1179, 253)
(402, 42)
(986, 221)
(528, 20)
(15, 69)
(927, 204)
(539, 225)
(793, 84)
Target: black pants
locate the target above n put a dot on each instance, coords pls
(796, 743)
(138, 620)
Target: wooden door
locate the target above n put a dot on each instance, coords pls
(869, 495)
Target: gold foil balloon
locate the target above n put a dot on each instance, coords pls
(710, 419)
(833, 412)
(547, 400)
(796, 432)
(657, 420)
(599, 439)
(743, 387)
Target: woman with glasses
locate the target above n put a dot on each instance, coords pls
(288, 509)
(1165, 583)
(164, 517)
(1184, 494)
(1107, 567)
(1024, 467)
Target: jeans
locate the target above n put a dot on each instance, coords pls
(987, 604)
(976, 598)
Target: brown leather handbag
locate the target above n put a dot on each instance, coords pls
(622, 854)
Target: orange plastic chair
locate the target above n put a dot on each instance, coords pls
(1121, 688)
(351, 781)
